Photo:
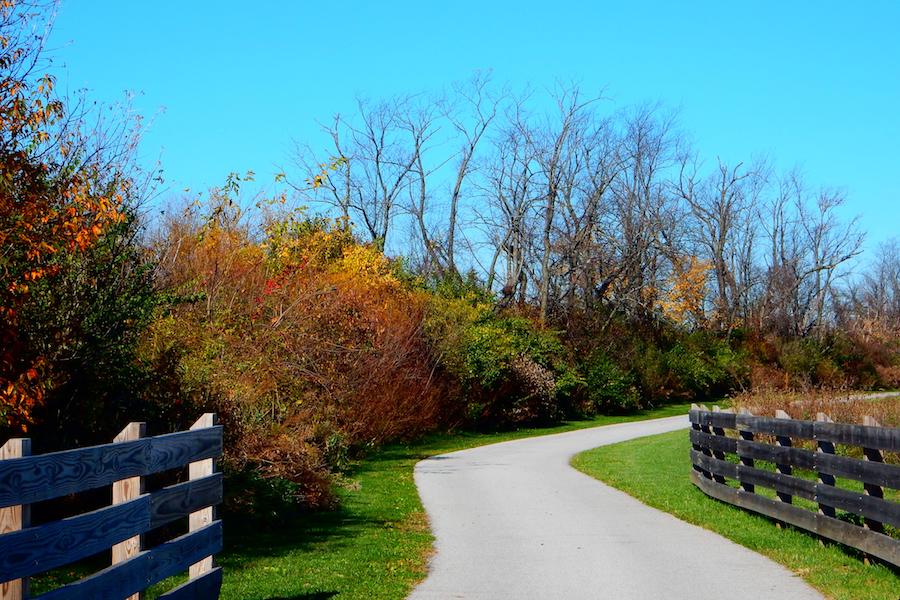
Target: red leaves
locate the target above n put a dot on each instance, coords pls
(270, 287)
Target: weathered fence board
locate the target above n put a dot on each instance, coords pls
(711, 446)
(117, 581)
(129, 489)
(202, 517)
(205, 586)
(870, 542)
(877, 473)
(47, 476)
(776, 481)
(37, 549)
(27, 551)
(176, 501)
(177, 555)
(882, 438)
(145, 569)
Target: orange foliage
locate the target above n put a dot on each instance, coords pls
(49, 205)
(307, 340)
(686, 290)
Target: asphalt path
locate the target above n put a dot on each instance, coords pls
(515, 520)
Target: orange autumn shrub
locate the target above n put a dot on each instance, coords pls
(307, 342)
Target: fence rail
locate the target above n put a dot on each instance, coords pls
(712, 471)
(26, 551)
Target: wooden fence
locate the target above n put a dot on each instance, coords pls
(27, 551)
(712, 472)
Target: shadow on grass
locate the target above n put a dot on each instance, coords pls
(247, 541)
(308, 596)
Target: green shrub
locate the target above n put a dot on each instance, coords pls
(507, 367)
(87, 320)
(258, 501)
(609, 387)
(571, 393)
(834, 361)
(701, 365)
(692, 366)
(799, 359)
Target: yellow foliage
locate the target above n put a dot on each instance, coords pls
(686, 290)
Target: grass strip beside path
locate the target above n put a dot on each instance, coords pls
(376, 546)
(656, 471)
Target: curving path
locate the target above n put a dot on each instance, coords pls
(514, 520)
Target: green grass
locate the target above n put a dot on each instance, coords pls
(656, 471)
(376, 546)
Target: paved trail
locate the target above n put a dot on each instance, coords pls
(514, 520)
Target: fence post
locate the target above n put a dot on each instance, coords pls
(876, 491)
(825, 447)
(697, 447)
(746, 436)
(14, 518)
(783, 468)
(125, 490)
(204, 516)
(718, 453)
(705, 449)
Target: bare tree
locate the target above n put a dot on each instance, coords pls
(831, 243)
(467, 116)
(377, 154)
(572, 209)
(480, 107)
(555, 145)
(874, 302)
(335, 188)
(639, 203)
(809, 245)
(510, 197)
(722, 209)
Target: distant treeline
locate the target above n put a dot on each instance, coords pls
(582, 205)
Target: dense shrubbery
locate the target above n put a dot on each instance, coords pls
(313, 346)
(835, 361)
(308, 343)
(85, 321)
(608, 386)
(506, 366)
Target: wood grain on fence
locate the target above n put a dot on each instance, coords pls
(726, 445)
(204, 516)
(27, 551)
(14, 518)
(124, 490)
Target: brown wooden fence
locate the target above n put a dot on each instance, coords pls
(717, 435)
(27, 551)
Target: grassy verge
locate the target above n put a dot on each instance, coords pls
(655, 470)
(377, 544)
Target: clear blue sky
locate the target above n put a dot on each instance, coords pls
(809, 83)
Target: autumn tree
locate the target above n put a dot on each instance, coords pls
(62, 187)
(685, 297)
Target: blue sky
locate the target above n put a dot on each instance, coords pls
(228, 85)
